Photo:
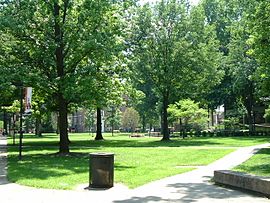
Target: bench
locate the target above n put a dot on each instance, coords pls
(136, 135)
(244, 181)
(154, 134)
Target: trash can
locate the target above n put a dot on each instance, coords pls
(101, 171)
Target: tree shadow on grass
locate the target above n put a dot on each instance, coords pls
(258, 167)
(119, 167)
(264, 151)
(144, 143)
(196, 191)
(142, 200)
(123, 141)
(175, 142)
(44, 166)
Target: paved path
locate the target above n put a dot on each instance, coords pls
(3, 155)
(192, 187)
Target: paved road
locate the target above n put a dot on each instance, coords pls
(192, 187)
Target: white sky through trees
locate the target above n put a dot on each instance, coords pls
(193, 2)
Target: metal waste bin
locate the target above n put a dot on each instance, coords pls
(101, 170)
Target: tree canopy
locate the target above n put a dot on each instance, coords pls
(175, 50)
(54, 45)
(96, 54)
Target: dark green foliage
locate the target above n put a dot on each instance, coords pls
(55, 46)
(173, 46)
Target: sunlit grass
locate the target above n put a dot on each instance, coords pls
(137, 160)
(259, 164)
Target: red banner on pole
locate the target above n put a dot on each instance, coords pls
(28, 100)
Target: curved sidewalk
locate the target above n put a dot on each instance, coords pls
(192, 187)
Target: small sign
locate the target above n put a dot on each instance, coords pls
(28, 100)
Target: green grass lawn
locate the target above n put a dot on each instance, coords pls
(123, 140)
(137, 160)
(258, 164)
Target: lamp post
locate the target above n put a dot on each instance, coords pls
(21, 122)
(112, 119)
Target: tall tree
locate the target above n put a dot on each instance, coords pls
(102, 86)
(239, 67)
(113, 118)
(243, 68)
(147, 105)
(222, 14)
(52, 41)
(257, 13)
(130, 119)
(172, 46)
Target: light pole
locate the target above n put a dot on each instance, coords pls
(112, 119)
(13, 126)
(21, 121)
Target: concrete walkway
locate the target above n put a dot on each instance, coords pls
(3, 155)
(192, 187)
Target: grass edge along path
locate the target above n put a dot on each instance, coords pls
(258, 164)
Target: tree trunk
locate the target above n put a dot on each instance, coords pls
(143, 123)
(150, 128)
(63, 126)
(161, 120)
(249, 119)
(58, 124)
(208, 115)
(165, 128)
(13, 127)
(5, 125)
(99, 127)
(250, 116)
(249, 106)
(112, 128)
(225, 115)
(38, 127)
(181, 130)
(9, 125)
(112, 120)
(62, 102)
(212, 118)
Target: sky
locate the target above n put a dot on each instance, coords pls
(194, 2)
